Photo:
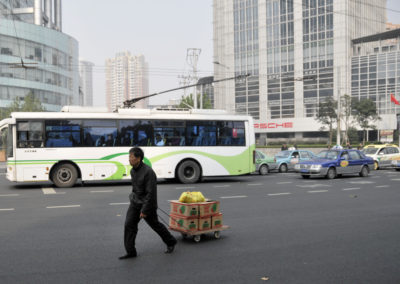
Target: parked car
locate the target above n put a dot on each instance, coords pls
(285, 160)
(333, 163)
(264, 163)
(382, 154)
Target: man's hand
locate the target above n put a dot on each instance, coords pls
(142, 215)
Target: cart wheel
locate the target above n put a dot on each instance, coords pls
(197, 238)
(217, 234)
(184, 236)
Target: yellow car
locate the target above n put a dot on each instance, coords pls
(382, 154)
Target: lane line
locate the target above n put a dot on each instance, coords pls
(7, 209)
(395, 179)
(253, 184)
(226, 185)
(96, 191)
(185, 187)
(48, 190)
(120, 203)
(352, 188)
(277, 194)
(237, 196)
(380, 186)
(317, 191)
(7, 195)
(284, 182)
(63, 206)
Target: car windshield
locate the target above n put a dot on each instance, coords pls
(370, 151)
(261, 155)
(330, 155)
(283, 154)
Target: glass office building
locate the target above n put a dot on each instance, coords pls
(35, 56)
(296, 54)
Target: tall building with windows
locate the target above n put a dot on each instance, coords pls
(35, 56)
(295, 54)
(126, 78)
(86, 83)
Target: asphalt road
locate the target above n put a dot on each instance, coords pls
(283, 229)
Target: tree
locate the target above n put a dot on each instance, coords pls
(364, 112)
(327, 115)
(28, 104)
(346, 112)
(188, 101)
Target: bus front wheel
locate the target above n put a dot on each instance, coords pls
(64, 175)
(188, 172)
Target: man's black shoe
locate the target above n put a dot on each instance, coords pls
(170, 249)
(126, 256)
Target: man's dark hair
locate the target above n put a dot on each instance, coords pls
(137, 152)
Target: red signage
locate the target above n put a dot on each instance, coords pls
(273, 125)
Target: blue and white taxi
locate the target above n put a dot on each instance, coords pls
(333, 163)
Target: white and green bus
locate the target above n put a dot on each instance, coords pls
(89, 144)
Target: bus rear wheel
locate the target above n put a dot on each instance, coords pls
(188, 172)
(64, 175)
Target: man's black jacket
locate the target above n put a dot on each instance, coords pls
(144, 188)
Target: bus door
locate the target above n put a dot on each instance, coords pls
(8, 148)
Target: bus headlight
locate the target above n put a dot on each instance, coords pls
(315, 167)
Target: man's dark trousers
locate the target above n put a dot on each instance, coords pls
(131, 227)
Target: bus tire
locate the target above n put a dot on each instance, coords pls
(64, 175)
(188, 172)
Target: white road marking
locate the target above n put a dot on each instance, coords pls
(361, 182)
(276, 194)
(48, 190)
(352, 188)
(254, 184)
(313, 185)
(226, 185)
(7, 209)
(96, 191)
(237, 196)
(3, 174)
(121, 203)
(6, 195)
(185, 187)
(380, 186)
(284, 182)
(395, 179)
(63, 206)
(317, 191)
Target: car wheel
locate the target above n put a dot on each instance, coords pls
(331, 173)
(364, 171)
(64, 175)
(188, 172)
(398, 170)
(283, 168)
(376, 165)
(305, 176)
(264, 170)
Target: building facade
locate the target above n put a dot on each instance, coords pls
(294, 55)
(86, 83)
(35, 56)
(375, 74)
(126, 78)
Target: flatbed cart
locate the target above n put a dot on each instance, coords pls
(197, 234)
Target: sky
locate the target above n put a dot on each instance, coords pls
(161, 30)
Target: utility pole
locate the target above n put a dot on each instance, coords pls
(338, 110)
(192, 57)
